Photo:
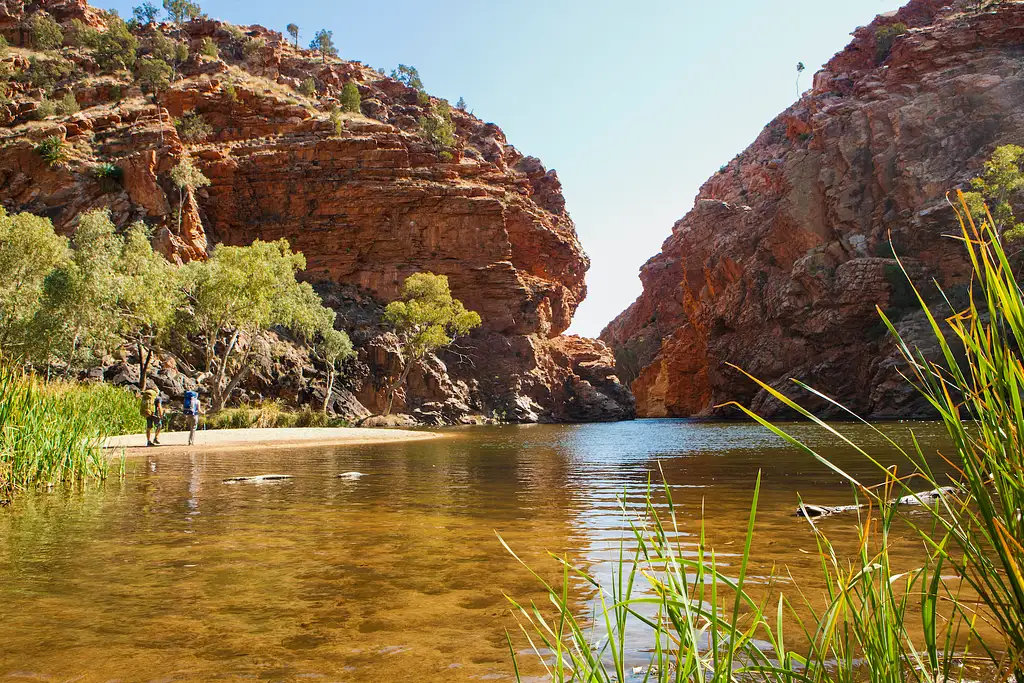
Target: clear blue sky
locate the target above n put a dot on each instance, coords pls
(634, 103)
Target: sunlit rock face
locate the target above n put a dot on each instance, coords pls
(368, 202)
(780, 265)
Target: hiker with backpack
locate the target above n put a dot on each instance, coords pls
(191, 408)
(152, 409)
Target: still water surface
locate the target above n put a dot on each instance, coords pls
(172, 575)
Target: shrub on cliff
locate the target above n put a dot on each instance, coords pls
(293, 31)
(180, 11)
(885, 36)
(67, 105)
(1000, 182)
(192, 127)
(208, 48)
(253, 48)
(408, 75)
(438, 128)
(308, 87)
(426, 318)
(46, 74)
(323, 44)
(44, 33)
(172, 52)
(187, 178)
(116, 47)
(146, 13)
(54, 150)
(154, 75)
(80, 34)
(350, 99)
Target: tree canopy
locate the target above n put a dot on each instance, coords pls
(426, 318)
(1000, 181)
(323, 43)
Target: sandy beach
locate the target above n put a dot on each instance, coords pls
(245, 439)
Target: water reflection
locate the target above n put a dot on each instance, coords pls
(398, 575)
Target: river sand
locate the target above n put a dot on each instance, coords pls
(247, 439)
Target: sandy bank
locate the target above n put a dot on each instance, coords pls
(248, 439)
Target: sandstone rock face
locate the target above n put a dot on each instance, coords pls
(363, 195)
(780, 265)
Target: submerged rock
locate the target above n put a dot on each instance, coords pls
(351, 476)
(258, 479)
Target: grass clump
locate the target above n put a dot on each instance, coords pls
(192, 127)
(50, 433)
(54, 150)
(67, 105)
(270, 415)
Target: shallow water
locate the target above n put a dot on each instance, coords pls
(172, 575)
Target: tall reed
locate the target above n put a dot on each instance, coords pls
(704, 624)
(50, 434)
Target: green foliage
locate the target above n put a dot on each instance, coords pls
(323, 43)
(29, 251)
(172, 52)
(230, 92)
(67, 105)
(50, 434)
(461, 104)
(54, 150)
(253, 47)
(885, 36)
(180, 11)
(350, 99)
(44, 33)
(337, 122)
(80, 34)
(239, 292)
(146, 13)
(1000, 181)
(308, 87)
(408, 75)
(422, 99)
(187, 177)
(235, 32)
(192, 127)
(47, 73)
(438, 128)
(208, 48)
(116, 47)
(76, 314)
(154, 75)
(45, 110)
(108, 174)
(426, 318)
(293, 31)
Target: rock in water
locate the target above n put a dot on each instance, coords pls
(351, 476)
(780, 265)
(258, 479)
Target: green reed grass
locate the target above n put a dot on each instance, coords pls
(708, 626)
(50, 433)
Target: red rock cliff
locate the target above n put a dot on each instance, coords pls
(367, 200)
(781, 262)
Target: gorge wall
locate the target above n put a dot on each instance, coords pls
(781, 262)
(368, 201)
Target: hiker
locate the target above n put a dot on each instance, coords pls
(191, 408)
(153, 410)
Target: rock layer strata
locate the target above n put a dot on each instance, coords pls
(781, 263)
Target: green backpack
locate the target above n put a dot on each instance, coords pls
(148, 407)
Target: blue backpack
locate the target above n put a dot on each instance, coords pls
(191, 402)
